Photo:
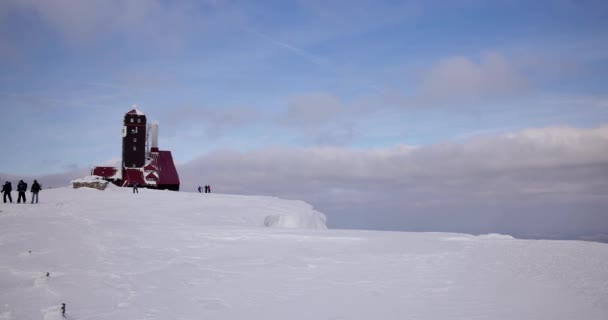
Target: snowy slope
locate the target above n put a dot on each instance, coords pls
(166, 255)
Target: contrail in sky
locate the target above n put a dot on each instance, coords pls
(301, 52)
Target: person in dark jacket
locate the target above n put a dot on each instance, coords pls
(6, 189)
(135, 188)
(35, 189)
(21, 189)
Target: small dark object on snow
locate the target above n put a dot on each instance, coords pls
(48, 274)
(30, 251)
(63, 309)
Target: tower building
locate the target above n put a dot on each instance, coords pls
(140, 165)
(134, 139)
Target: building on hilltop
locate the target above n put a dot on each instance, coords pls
(142, 162)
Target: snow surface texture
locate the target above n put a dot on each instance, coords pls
(167, 255)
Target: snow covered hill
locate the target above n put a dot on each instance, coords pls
(167, 255)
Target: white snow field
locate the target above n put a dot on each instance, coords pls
(174, 255)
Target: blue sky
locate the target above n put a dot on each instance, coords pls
(247, 74)
(461, 116)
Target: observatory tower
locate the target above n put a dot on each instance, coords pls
(134, 139)
(151, 168)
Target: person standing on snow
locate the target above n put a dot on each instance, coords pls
(6, 189)
(135, 188)
(21, 189)
(35, 189)
(200, 189)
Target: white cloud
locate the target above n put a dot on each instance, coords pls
(457, 80)
(159, 24)
(552, 147)
(210, 121)
(314, 109)
(322, 118)
(544, 177)
(75, 19)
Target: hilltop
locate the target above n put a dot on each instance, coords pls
(174, 255)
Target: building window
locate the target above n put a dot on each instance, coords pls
(134, 139)
(131, 120)
(138, 120)
(134, 148)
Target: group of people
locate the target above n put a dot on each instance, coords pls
(207, 189)
(7, 188)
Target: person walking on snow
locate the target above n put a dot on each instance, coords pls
(6, 189)
(35, 189)
(21, 189)
(200, 189)
(135, 188)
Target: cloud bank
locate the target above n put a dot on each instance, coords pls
(548, 182)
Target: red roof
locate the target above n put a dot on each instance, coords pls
(167, 173)
(151, 176)
(133, 176)
(150, 167)
(105, 172)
